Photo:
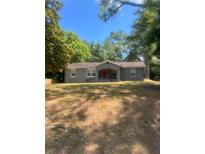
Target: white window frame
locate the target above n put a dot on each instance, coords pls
(72, 73)
(133, 71)
(91, 72)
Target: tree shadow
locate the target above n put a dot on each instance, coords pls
(137, 123)
(64, 140)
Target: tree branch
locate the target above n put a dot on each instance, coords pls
(115, 11)
(122, 3)
(129, 3)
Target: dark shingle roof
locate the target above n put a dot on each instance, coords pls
(131, 64)
(94, 64)
(82, 65)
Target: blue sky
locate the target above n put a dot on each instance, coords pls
(80, 16)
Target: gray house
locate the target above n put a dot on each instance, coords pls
(104, 71)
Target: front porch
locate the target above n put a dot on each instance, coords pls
(107, 74)
(108, 71)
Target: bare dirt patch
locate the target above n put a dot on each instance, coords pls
(111, 118)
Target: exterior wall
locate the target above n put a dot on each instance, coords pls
(109, 66)
(66, 75)
(125, 74)
(80, 75)
(122, 73)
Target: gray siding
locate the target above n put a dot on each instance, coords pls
(81, 75)
(122, 73)
(125, 74)
(67, 75)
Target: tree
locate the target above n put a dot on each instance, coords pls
(57, 53)
(109, 8)
(97, 53)
(145, 38)
(80, 50)
(116, 46)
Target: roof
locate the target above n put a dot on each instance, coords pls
(94, 64)
(131, 64)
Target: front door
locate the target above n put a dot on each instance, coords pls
(105, 73)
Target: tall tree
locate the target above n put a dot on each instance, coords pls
(81, 51)
(116, 46)
(57, 53)
(98, 53)
(145, 37)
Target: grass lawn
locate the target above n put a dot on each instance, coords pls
(103, 118)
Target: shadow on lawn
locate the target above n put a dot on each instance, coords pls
(135, 132)
(111, 90)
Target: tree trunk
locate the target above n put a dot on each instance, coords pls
(147, 69)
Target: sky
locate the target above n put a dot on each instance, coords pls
(81, 17)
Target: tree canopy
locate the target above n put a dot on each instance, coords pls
(61, 47)
(114, 47)
(145, 38)
(57, 53)
(97, 52)
(81, 51)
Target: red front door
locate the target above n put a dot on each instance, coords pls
(105, 73)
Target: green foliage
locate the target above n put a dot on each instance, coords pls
(57, 53)
(144, 42)
(51, 10)
(145, 37)
(116, 46)
(113, 48)
(81, 51)
(61, 47)
(97, 53)
(155, 68)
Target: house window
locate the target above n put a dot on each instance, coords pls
(73, 73)
(91, 72)
(133, 72)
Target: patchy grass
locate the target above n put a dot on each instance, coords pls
(103, 118)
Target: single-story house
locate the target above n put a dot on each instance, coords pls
(104, 71)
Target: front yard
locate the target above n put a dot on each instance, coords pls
(103, 118)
